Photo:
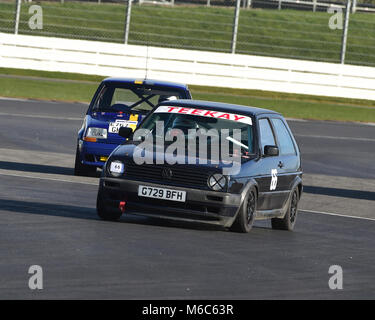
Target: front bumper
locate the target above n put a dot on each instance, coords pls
(200, 206)
(91, 152)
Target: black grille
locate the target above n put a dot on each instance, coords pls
(181, 175)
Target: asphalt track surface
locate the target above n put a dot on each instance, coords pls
(48, 218)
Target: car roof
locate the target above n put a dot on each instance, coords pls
(149, 82)
(224, 107)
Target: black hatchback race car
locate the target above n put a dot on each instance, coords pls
(208, 162)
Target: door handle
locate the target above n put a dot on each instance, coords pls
(281, 164)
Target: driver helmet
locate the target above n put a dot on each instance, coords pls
(184, 122)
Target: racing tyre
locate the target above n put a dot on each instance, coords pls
(246, 216)
(289, 220)
(81, 169)
(105, 214)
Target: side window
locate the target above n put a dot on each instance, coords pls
(284, 138)
(266, 134)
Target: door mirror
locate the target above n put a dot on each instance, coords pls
(125, 132)
(271, 151)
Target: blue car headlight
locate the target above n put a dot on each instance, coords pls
(98, 133)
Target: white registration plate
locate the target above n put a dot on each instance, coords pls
(114, 127)
(162, 193)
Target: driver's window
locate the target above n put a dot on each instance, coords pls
(266, 135)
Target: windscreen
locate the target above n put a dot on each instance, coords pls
(189, 120)
(137, 99)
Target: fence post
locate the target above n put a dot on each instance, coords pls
(235, 25)
(279, 6)
(354, 6)
(248, 4)
(127, 21)
(17, 17)
(208, 3)
(314, 5)
(345, 32)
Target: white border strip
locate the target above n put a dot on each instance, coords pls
(337, 215)
(334, 138)
(47, 178)
(39, 116)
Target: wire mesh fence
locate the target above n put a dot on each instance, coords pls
(266, 27)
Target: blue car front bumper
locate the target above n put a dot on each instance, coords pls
(92, 152)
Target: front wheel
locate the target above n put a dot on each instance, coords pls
(81, 169)
(289, 220)
(103, 212)
(246, 216)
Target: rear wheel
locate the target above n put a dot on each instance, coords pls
(289, 220)
(81, 169)
(103, 212)
(246, 216)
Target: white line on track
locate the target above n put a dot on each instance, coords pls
(334, 137)
(372, 124)
(296, 120)
(338, 215)
(14, 99)
(48, 178)
(39, 116)
(40, 101)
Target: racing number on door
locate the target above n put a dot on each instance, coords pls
(273, 179)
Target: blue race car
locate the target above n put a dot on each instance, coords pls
(117, 103)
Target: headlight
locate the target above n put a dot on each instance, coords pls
(99, 133)
(217, 182)
(116, 168)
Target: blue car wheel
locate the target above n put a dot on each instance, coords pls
(81, 169)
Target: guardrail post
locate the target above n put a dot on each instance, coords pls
(345, 32)
(235, 26)
(208, 3)
(354, 6)
(127, 21)
(314, 5)
(17, 17)
(279, 6)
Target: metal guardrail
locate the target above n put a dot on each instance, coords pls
(278, 33)
(187, 66)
